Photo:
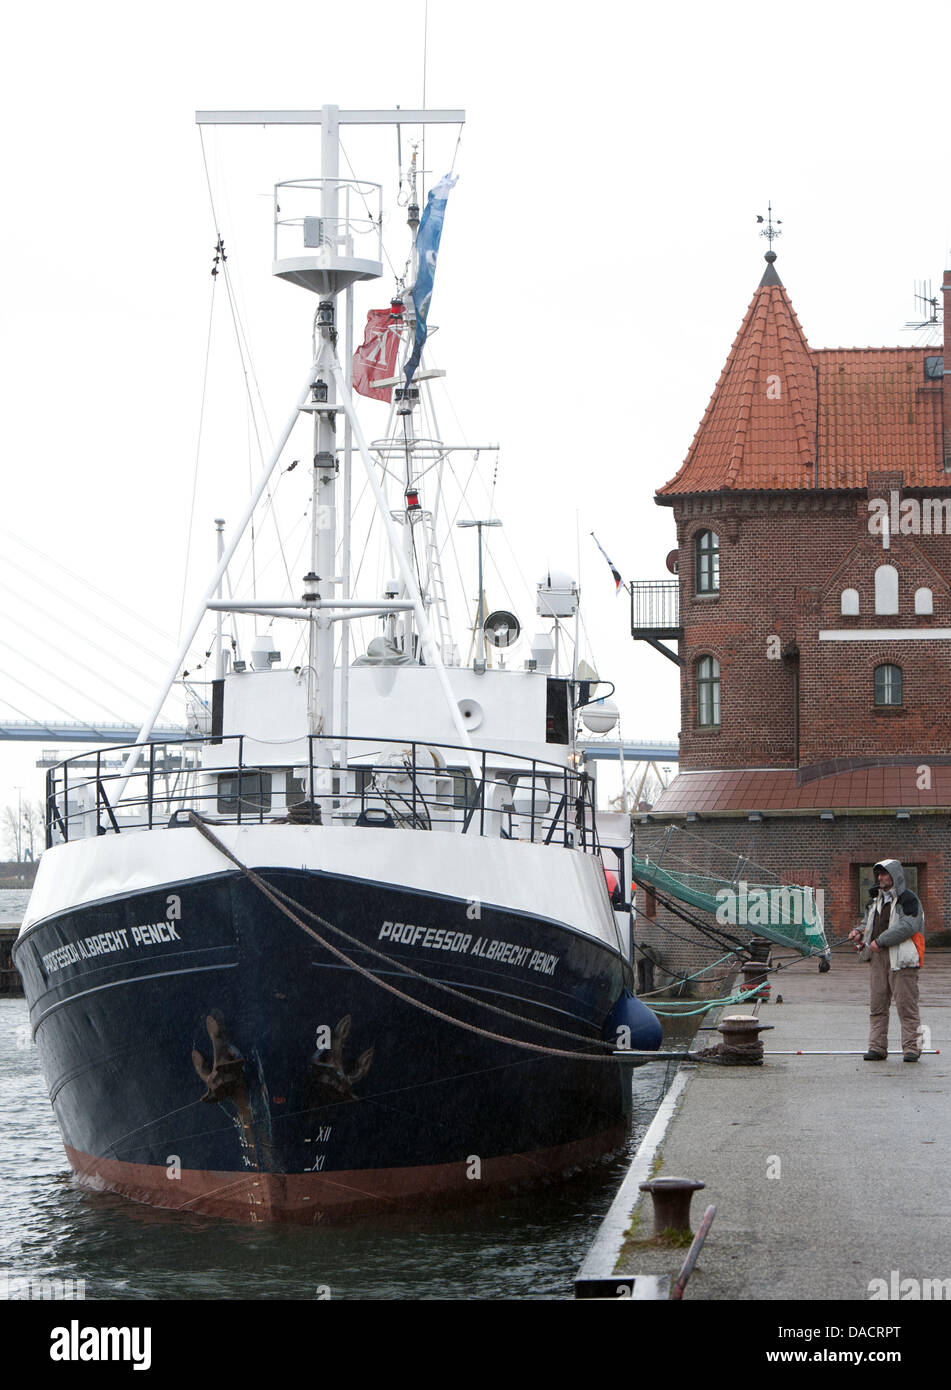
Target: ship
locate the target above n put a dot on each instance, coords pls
(361, 939)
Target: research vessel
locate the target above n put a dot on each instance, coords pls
(350, 944)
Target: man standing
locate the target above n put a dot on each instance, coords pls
(893, 918)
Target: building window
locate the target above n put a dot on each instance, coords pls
(707, 562)
(924, 601)
(708, 692)
(888, 685)
(886, 589)
(850, 603)
(864, 881)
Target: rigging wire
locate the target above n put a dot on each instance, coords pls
(370, 218)
(244, 347)
(219, 250)
(248, 369)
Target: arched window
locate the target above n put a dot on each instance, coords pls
(924, 601)
(888, 685)
(850, 603)
(886, 589)
(707, 562)
(708, 692)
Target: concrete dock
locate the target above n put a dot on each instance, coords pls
(10, 982)
(829, 1173)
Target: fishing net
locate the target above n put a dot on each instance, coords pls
(734, 890)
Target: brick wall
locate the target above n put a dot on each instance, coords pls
(803, 849)
(785, 559)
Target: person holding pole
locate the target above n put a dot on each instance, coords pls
(892, 942)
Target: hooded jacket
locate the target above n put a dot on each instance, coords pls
(905, 920)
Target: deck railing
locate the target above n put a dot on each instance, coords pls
(363, 781)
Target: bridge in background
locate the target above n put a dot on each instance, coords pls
(634, 750)
(88, 733)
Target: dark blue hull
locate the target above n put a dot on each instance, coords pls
(181, 1049)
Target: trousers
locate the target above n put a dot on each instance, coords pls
(887, 987)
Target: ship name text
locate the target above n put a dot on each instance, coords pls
(105, 942)
(488, 948)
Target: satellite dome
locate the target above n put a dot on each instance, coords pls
(601, 717)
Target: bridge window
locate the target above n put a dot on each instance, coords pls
(255, 792)
(707, 562)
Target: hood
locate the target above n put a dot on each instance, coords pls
(892, 866)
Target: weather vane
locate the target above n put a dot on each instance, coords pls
(770, 230)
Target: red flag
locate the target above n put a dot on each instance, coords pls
(375, 359)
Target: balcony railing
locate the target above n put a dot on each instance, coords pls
(655, 608)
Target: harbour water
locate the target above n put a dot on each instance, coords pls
(527, 1246)
(13, 903)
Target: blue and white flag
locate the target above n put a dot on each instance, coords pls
(427, 247)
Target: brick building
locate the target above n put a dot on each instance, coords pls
(813, 516)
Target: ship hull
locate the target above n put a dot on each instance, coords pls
(204, 1052)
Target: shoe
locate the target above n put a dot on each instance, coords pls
(911, 1056)
(876, 1057)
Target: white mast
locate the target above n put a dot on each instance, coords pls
(327, 267)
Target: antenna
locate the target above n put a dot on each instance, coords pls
(930, 305)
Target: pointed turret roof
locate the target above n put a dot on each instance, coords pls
(759, 430)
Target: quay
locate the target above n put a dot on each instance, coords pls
(10, 982)
(828, 1172)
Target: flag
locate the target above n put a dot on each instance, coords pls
(618, 581)
(375, 358)
(427, 247)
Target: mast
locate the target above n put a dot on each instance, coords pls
(219, 650)
(327, 267)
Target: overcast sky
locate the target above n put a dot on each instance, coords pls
(599, 252)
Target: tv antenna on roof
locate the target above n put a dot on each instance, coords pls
(931, 305)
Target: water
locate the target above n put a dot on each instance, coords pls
(527, 1246)
(13, 903)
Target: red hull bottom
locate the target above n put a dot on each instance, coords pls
(309, 1198)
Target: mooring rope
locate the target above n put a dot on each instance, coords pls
(276, 896)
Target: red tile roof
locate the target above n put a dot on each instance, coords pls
(780, 790)
(875, 412)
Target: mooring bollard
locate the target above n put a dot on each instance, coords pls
(741, 1045)
(756, 976)
(759, 948)
(672, 1198)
